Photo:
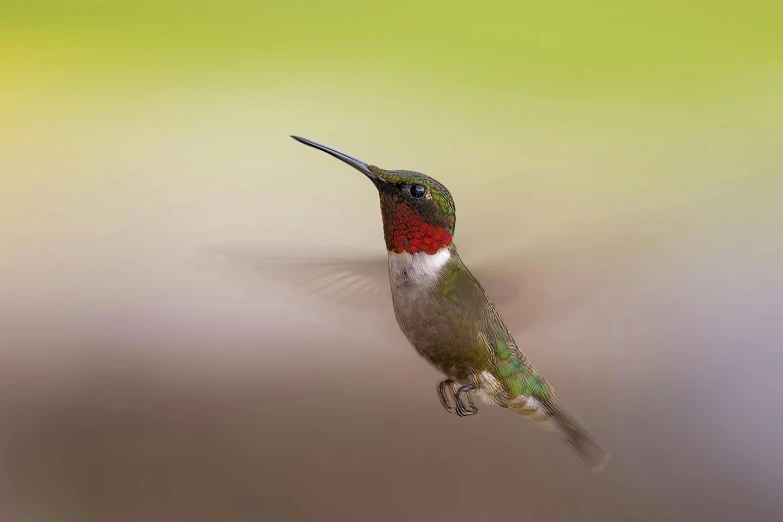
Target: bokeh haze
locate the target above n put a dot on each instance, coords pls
(623, 158)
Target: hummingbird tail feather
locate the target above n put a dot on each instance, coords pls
(551, 414)
(585, 445)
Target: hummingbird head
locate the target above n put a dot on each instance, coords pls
(418, 212)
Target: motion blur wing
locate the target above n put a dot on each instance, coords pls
(355, 278)
(545, 279)
(534, 284)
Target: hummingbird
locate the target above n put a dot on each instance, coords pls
(446, 315)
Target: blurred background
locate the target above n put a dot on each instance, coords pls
(617, 173)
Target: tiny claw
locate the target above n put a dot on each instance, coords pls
(442, 385)
(462, 410)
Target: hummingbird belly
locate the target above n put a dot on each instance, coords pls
(443, 311)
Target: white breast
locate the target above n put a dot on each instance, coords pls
(418, 268)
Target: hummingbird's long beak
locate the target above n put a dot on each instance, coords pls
(353, 162)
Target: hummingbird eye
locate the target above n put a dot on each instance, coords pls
(417, 191)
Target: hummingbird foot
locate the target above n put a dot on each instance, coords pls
(462, 409)
(443, 386)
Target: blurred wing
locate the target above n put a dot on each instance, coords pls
(358, 279)
(540, 282)
(545, 280)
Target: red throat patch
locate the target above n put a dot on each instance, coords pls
(405, 231)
